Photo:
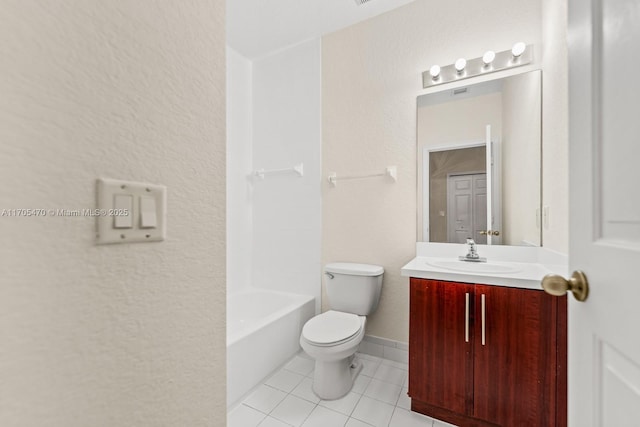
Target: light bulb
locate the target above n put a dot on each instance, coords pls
(434, 71)
(488, 57)
(460, 64)
(518, 49)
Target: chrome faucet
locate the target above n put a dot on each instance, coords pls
(472, 255)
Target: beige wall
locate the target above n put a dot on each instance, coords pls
(371, 77)
(459, 121)
(520, 150)
(119, 335)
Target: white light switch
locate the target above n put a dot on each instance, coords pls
(123, 215)
(148, 218)
(144, 208)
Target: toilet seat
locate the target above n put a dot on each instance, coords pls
(331, 328)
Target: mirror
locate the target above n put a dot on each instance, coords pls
(479, 162)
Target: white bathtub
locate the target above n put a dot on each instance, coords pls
(263, 331)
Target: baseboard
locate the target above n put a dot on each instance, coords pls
(385, 348)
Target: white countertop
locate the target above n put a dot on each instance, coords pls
(526, 265)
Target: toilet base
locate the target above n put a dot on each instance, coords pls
(334, 379)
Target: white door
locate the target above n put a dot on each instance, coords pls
(479, 207)
(466, 207)
(459, 208)
(493, 223)
(489, 163)
(604, 94)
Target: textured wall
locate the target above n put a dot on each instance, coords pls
(287, 208)
(122, 335)
(371, 77)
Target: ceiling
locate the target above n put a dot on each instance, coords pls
(258, 27)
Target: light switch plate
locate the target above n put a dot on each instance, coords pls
(106, 211)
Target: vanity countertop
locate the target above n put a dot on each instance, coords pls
(512, 266)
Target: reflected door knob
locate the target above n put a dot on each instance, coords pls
(489, 233)
(557, 285)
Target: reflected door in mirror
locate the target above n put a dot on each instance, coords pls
(466, 207)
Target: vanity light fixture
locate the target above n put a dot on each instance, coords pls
(518, 49)
(460, 64)
(520, 54)
(488, 57)
(434, 71)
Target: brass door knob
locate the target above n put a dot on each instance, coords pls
(494, 232)
(483, 232)
(557, 285)
(489, 233)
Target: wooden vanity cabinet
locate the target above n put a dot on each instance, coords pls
(483, 355)
(440, 355)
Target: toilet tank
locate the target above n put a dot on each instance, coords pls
(353, 288)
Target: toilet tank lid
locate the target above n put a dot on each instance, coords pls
(354, 269)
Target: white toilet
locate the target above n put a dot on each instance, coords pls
(332, 338)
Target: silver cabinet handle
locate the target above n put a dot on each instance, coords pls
(482, 302)
(466, 317)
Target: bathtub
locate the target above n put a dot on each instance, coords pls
(263, 332)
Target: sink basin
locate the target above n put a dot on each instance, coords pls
(474, 267)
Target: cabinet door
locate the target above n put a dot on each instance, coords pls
(515, 354)
(440, 344)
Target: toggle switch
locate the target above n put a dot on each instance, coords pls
(136, 211)
(148, 217)
(123, 203)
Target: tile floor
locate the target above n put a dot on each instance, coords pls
(378, 398)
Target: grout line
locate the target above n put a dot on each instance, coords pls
(307, 417)
(356, 405)
(392, 414)
(255, 409)
(378, 361)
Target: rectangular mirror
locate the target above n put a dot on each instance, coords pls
(479, 162)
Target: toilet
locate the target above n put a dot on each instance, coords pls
(332, 338)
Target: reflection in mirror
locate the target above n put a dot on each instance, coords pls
(458, 189)
(479, 167)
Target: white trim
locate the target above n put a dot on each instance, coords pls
(497, 190)
(396, 351)
(490, 183)
(454, 146)
(385, 341)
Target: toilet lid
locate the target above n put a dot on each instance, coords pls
(331, 327)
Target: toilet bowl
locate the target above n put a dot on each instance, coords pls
(332, 339)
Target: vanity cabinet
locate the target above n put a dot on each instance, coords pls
(484, 355)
